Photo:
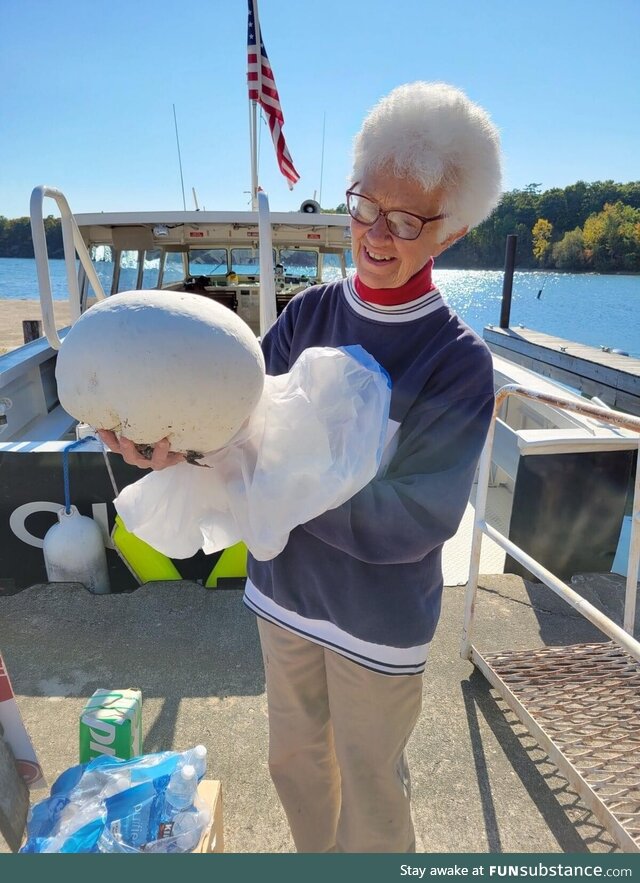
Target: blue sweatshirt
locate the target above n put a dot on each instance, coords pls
(365, 578)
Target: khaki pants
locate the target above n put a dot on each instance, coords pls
(337, 734)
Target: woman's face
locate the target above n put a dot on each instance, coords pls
(383, 260)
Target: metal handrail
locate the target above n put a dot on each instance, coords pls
(622, 636)
(72, 242)
(268, 312)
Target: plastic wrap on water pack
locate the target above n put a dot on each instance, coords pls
(114, 805)
(314, 440)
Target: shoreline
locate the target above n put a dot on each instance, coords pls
(444, 265)
(14, 311)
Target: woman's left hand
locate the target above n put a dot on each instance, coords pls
(161, 458)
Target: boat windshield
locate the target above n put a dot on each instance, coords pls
(208, 262)
(129, 269)
(246, 261)
(299, 262)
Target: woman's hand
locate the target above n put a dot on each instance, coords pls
(161, 458)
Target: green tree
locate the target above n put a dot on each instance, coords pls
(16, 241)
(598, 195)
(552, 205)
(630, 194)
(612, 238)
(568, 254)
(575, 195)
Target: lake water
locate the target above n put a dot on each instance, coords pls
(586, 308)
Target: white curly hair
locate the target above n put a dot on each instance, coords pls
(434, 134)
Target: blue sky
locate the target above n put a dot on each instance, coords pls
(88, 88)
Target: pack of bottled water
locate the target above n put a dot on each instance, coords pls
(146, 804)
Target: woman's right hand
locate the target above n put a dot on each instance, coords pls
(161, 458)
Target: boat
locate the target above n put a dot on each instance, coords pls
(554, 490)
(218, 255)
(253, 263)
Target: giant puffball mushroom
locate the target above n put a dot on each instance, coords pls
(155, 364)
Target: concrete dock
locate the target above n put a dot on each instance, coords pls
(480, 783)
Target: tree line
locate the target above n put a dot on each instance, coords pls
(583, 227)
(16, 241)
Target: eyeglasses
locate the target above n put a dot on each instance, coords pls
(404, 225)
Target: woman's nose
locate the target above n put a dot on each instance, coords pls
(379, 231)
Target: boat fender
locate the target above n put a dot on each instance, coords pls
(148, 565)
(74, 552)
(232, 564)
(145, 563)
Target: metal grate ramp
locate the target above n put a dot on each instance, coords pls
(582, 704)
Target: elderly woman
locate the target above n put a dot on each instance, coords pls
(347, 610)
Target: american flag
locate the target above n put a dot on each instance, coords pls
(262, 88)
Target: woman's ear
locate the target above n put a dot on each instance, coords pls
(451, 238)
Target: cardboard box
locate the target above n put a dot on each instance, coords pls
(212, 839)
(111, 723)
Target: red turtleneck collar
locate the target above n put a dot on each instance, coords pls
(391, 297)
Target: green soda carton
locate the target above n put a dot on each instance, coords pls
(111, 723)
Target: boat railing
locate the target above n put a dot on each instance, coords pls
(580, 702)
(73, 244)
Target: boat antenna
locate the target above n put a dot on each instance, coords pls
(324, 119)
(195, 199)
(175, 121)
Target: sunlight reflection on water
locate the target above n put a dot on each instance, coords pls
(585, 307)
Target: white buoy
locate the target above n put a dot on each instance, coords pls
(74, 552)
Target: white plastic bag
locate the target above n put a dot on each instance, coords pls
(314, 440)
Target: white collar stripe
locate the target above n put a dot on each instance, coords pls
(380, 657)
(415, 309)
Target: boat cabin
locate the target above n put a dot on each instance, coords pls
(214, 254)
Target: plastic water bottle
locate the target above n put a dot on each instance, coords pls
(178, 797)
(187, 828)
(181, 788)
(197, 757)
(99, 785)
(70, 826)
(109, 841)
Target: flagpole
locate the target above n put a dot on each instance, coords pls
(254, 117)
(253, 142)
